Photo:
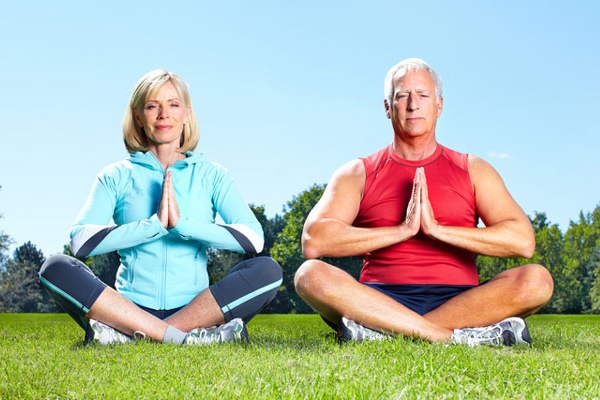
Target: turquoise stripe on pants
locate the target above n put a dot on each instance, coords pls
(250, 296)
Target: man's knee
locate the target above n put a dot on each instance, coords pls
(536, 284)
(310, 276)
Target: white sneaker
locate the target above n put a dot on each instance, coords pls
(226, 333)
(350, 331)
(508, 332)
(105, 334)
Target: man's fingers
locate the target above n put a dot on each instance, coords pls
(413, 204)
(424, 184)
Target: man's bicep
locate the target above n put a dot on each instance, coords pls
(493, 202)
(342, 197)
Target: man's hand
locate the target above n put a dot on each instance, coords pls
(419, 213)
(413, 211)
(428, 222)
(168, 211)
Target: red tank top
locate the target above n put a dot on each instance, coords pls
(419, 260)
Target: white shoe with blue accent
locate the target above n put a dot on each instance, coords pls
(350, 331)
(105, 334)
(508, 332)
(226, 333)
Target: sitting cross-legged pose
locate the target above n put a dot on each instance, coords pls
(412, 209)
(163, 200)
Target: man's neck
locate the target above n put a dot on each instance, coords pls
(414, 149)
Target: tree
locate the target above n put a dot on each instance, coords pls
(288, 251)
(575, 280)
(28, 253)
(105, 267)
(548, 252)
(220, 262)
(594, 265)
(5, 242)
(21, 290)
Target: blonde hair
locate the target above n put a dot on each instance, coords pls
(133, 135)
(404, 66)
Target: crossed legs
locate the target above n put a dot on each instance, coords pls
(122, 314)
(243, 293)
(333, 293)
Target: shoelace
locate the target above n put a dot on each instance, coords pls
(490, 335)
(206, 336)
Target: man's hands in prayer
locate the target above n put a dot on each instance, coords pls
(419, 213)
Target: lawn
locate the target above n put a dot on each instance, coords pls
(294, 356)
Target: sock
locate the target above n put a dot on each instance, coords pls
(173, 335)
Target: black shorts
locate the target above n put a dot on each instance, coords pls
(420, 298)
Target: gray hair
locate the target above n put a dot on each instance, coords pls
(408, 65)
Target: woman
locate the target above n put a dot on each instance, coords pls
(163, 199)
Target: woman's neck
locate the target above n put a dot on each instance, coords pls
(166, 154)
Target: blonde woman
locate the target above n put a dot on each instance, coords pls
(163, 199)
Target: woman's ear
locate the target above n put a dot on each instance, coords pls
(138, 119)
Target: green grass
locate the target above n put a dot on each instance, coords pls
(293, 356)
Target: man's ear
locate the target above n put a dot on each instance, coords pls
(388, 111)
(440, 106)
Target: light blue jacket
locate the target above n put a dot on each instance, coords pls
(163, 268)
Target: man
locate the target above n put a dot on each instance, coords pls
(411, 210)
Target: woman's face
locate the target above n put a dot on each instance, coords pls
(164, 115)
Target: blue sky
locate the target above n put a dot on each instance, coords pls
(286, 92)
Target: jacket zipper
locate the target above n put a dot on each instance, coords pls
(164, 273)
(162, 286)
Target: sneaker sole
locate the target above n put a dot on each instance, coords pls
(521, 336)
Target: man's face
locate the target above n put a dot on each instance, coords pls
(415, 108)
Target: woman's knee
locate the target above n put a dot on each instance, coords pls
(270, 269)
(55, 266)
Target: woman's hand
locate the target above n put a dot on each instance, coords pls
(163, 206)
(173, 207)
(168, 211)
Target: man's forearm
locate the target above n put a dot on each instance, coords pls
(333, 238)
(505, 239)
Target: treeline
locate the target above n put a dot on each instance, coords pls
(573, 259)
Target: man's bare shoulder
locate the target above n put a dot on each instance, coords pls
(342, 195)
(477, 162)
(479, 169)
(352, 169)
(350, 177)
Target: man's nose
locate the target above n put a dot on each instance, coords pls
(412, 102)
